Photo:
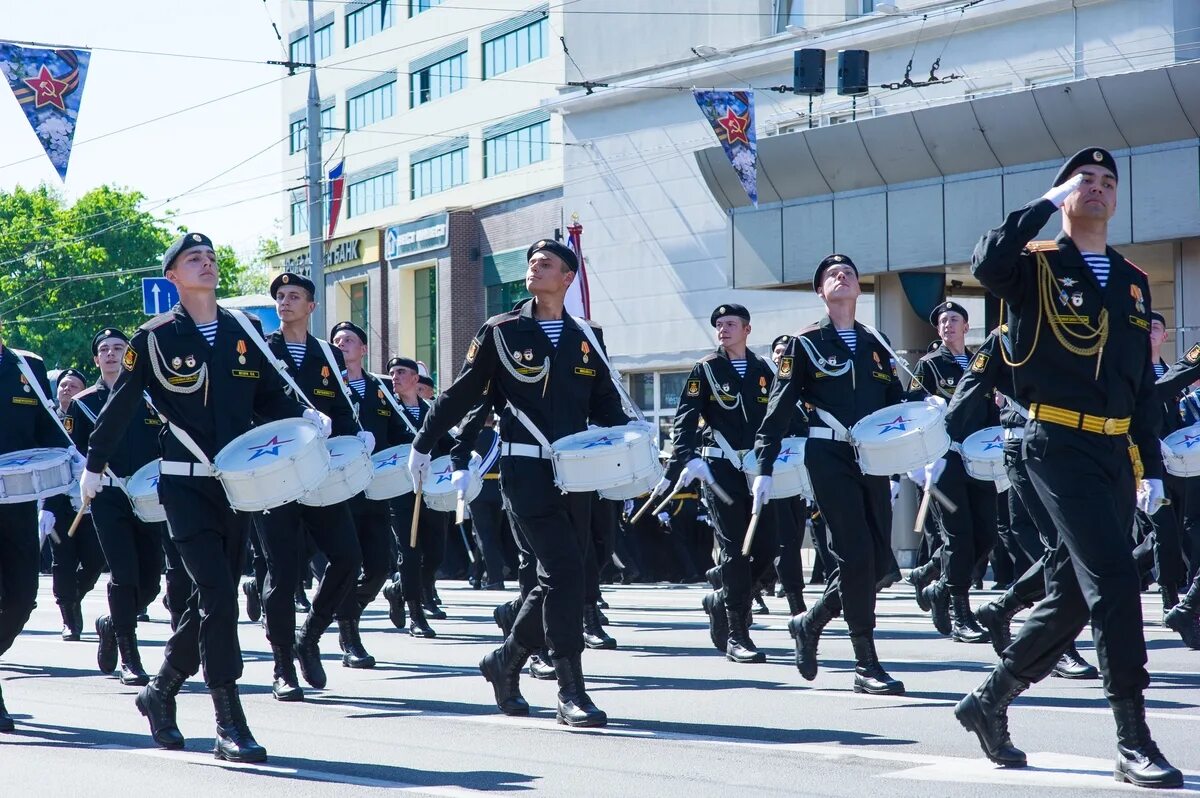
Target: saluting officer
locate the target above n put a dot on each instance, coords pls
(1080, 324)
(840, 368)
(283, 531)
(554, 379)
(24, 424)
(209, 383)
(132, 547)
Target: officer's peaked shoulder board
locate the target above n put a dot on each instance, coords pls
(1137, 268)
(90, 391)
(158, 321)
(1041, 246)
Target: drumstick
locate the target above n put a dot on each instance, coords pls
(719, 492)
(750, 530)
(78, 517)
(663, 505)
(461, 509)
(919, 526)
(412, 537)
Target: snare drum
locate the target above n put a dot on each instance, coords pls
(31, 474)
(390, 476)
(898, 438)
(790, 477)
(1181, 452)
(983, 454)
(273, 464)
(350, 471)
(619, 462)
(437, 491)
(142, 489)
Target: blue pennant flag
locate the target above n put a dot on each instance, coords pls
(731, 114)
(49, 86)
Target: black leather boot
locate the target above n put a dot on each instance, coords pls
(505, 615)
(985, 712)
(286, 686)
(937, 596)
(1139, 761)
(417, 625)
(869, 675)
(1170, 597)
(996, 619)
(600, 614)
(575, 708)
(760, 605)
(502, 668)
(795, 602)
(354, 655)
(713, 575)
(594, 635)
(6, 721)
(920, 577)
(540, 666)
(253, 600)
(303, 605)
(234, 743)
(806, 631)
(156, 701)
(132, 673)
(308, 651)
(1186, 623)
(963, 627)
(77, 619)
(740, 648)
(106, 653)
(718, 626)
(69, 632)
(1072, 666)
(395, 600)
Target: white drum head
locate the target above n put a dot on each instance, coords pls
(983, 454)
(899, 438)
(264, 446)
(1181, 452)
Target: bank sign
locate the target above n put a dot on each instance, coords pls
(340, 255)
(423, 235)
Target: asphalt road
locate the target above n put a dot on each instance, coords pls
(684, 721)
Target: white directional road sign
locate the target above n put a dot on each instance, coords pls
(158, 295)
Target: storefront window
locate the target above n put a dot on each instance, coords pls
(641, 388)
(671, 387)
(359, 310)
(502, 297)
(425, 315)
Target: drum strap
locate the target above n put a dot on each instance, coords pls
(613, 373)
(901, 362)
(23, 365)
(183, 437)
(731, 454)
(400, 411)
(537, 434)
(832, 422)
(337, 375)
(279, 365)
(87, 411)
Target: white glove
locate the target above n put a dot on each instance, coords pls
(460, 481)
(1152, 496)
(664, 518)
(90, 484)
(934, 471)
(1058, 195)
(1002, 484)
(368, 439)
(895, 483)
(917, 475)
(321, 420)
(762, 492)
(696, 469)
(418, 465)
(662, 487)
(45, 524)
(936, 402)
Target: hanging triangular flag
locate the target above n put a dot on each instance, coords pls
(337, 187)
(578, 301)
(731, 114)
(49, 86)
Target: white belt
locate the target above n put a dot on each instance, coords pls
(1014, 433)
(717, 453)
(177, 468)
(827, 434)
(524, 450)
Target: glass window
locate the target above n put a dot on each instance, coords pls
(438, 80)
(502, 297)
(516, 149)
(515, 49)
(299, 217)
(371, 194)
(671, 387)
(439, 173)
(298, 130)
(364, 22)
(298, 51)
(359, 310)
(425, 317)
(370, 107)
(641, 388)
(420, 6)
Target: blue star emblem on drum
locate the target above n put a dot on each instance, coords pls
(785, 454)
(444, 476)
(19, 461)
(895, 424)
(387, 462)
(268, 449)
(604, 441)
(995, 443)
(1188, 441)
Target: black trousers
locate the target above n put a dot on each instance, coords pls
(487, 524)
(179, 584)
(1191, 525)
(431, 543)
(740, 574)
(1086, 484)
(557, 529)
(433, 550)
(18, 568)
(969, 533)
(283, 532)
(78, 561)
(1168, 534)
(605, 520)
(134, 552)
(791, 516)
(858, 515)
(210, 537)
(373, 528)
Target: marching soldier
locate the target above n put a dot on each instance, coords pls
(1080, 325)
(1167, 523)
(25, 423)
(791, 513)
(208, 383)
(487, 510)
(554, 377)
(840, 368)
(132, 547)
(284, 531)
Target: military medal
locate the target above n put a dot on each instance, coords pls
(325, 375)
(1077, 299)
(516, 354)
(583, 347)
(24, 384)
(190, 360)
(241, 350)
(176, 362)
(762, 384)
(725, 387)
(832, 361)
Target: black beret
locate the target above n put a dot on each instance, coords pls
(76, 373)
(107, 332)
(784, 339)
(182, 244)
(352, 327)
(729, 310)
(405, 362)
(831, 260)
(554, 248)
(1158, 317)
(1092, 156)
(291, 278)
(946, 307)
(425, 380)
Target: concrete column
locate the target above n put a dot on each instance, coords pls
(1187, 295)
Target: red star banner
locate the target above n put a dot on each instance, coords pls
(731, 114)
(48, 84)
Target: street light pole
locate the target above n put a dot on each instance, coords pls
(316, 204)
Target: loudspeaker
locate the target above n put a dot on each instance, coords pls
(808, 72)
(852, 72)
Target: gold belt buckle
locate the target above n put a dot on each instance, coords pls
(1110, 426)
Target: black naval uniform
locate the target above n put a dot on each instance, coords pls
(132, 547)
(213, 392)
(283, 533)
(1168, 521)
(733, 406)
(1184, 618)
(791, 516)
(559, 389)
(24, 424)
(77, 561)
(487, 510)
(857, 507)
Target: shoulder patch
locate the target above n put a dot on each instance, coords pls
(130, 358)
(1041, 246)
(1193, 355)
(785, 368)
(693, 387)
(473, 350)
(979, 362)
(69, 424)
(158, 321)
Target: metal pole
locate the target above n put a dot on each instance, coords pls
(316, 204)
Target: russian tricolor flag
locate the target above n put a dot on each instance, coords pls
(337, 186)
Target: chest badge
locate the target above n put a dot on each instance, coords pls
(878, 363)
(527, 354)
(324, 375)
(25, 384)
(176, 362)
(585, 349)
(516, 354)
(241, 350)
(762, 384)
(190, 361)
(831, 361)
(1068, 282)
(1077, 299)
(725, 387)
